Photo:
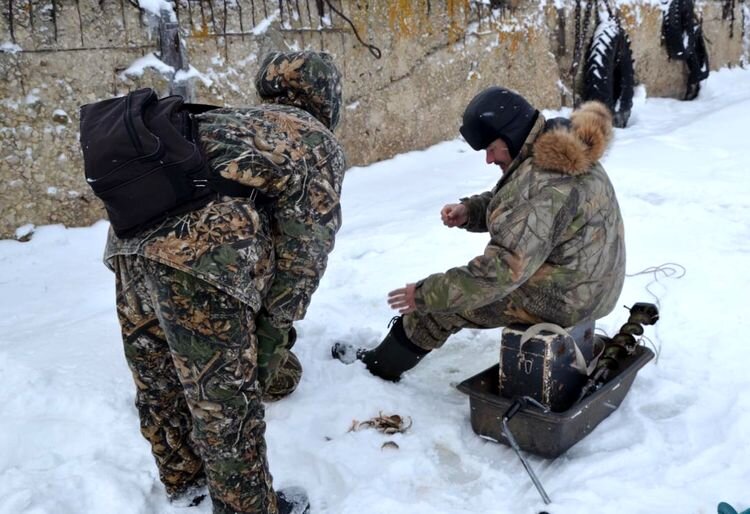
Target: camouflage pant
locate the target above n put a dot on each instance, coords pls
(430, 330)
(192, 351)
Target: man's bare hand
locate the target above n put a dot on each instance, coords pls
(454, 215)
(403, 299)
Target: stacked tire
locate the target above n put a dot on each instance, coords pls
(682, 33)
(609, 75)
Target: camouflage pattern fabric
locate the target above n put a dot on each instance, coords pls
(298, 167)
(190, 290)
(279, 370)
(430, 330)
(192, 351)
(308, 80)
(271, 250)
(556, 247)
(284, 379)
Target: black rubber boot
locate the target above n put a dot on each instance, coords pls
(390, 359)
(293, 500)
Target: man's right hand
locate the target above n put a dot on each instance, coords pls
(454, 215)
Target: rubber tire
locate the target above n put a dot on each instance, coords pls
(683, 37)
(698, 66)
(676, 25)
(609, 73)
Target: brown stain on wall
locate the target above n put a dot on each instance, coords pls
(512, 41)
(458, 11)
(400, 17)
(628, 15)
(200, 32)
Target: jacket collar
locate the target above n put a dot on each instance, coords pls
(567, 148)
(526, 149)
(573, 148)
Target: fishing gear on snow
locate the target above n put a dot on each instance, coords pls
(621, 345)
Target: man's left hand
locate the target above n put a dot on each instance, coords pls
(403, 299)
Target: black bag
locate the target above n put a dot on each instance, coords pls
(143, 159)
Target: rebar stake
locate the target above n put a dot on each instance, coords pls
(512, 410)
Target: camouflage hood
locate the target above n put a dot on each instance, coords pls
(573, 147)
(308, 80)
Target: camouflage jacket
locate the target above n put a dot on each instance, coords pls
(556, 234)
(271, 249)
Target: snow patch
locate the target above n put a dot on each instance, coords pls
(156, 7)
(33, 97)
(139, 66)
(264, 24)
(10, 48)
(562, 87)
(292, 46)
(190, 73)
(25, 230)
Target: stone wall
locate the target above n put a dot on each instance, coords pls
(436, 54)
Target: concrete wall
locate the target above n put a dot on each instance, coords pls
(436, 54)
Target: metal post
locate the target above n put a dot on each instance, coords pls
(172, 52)
(512, 411)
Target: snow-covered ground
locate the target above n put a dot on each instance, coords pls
(69, 440)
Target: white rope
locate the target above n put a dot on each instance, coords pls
(668, 269)
(657, 348)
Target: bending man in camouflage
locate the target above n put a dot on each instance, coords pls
(556, 252)
(206, 300)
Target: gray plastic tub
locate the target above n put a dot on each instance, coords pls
(547, 434)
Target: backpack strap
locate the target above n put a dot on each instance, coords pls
(199, 108)
(215, 182)
(226, 187)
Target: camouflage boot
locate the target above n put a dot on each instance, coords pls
(390, 359)
(284, 381)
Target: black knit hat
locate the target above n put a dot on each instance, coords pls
(495, 113)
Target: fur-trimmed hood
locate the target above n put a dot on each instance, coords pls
(573, 148)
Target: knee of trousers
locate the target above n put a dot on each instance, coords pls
(431, 330)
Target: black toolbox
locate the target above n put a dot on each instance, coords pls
(541, 365)
(548, 434)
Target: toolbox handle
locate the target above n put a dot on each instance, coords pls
(535, 330)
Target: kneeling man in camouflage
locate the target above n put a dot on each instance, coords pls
(556, 252)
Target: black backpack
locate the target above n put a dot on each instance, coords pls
(142, 158)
